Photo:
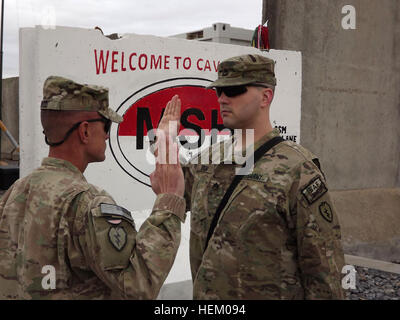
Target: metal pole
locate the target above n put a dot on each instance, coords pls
(264, 12)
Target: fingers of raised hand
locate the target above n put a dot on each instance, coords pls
(176, 108)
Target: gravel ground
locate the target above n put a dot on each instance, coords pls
(372, 284)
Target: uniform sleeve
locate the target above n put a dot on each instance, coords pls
(134, 265)
(320, 251)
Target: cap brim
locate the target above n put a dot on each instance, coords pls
(111, 115)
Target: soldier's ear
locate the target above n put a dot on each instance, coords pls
(83, 132)
(267, 96)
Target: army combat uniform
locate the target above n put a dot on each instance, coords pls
(55, 217)
(63, 238)
(278, 237)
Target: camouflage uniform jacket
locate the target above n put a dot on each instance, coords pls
(54, 217)
(278, 237)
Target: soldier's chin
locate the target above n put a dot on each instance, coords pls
(100, 159)
(228, 124)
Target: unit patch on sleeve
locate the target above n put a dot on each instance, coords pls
(326, 211)
(117, 237)
(314, 190)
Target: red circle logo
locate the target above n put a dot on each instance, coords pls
(142, 112)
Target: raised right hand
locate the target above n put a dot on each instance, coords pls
(170, 121)
(168, 176)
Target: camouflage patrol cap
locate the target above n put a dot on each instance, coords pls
(66, 95)
(245, 69)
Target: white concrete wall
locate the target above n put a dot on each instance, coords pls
(71, 52)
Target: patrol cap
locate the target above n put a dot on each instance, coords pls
(245, 69)
(66, 95)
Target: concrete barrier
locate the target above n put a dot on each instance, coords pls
(350, 97)
(370, 221)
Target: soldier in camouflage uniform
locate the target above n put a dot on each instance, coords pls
(54, 217)
(278, 236)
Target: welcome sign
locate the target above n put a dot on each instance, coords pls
(142, 73)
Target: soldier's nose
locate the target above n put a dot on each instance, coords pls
(223, 98)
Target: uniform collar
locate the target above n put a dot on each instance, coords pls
(270, 135)
(61, 164)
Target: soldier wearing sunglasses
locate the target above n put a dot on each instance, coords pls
(274, 232)
(64, 238)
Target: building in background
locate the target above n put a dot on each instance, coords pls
(221, 33)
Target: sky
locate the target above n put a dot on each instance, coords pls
(153, 17)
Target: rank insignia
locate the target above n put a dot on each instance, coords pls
(326, 211)
(117, 237)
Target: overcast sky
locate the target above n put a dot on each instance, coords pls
(155, 17)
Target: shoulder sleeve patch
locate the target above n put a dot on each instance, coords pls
(314, 190)
(117, 237)
(114, 211)
(326, 211)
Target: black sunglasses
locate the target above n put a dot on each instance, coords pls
(107, 127)
(107, 123)
(234, 91)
